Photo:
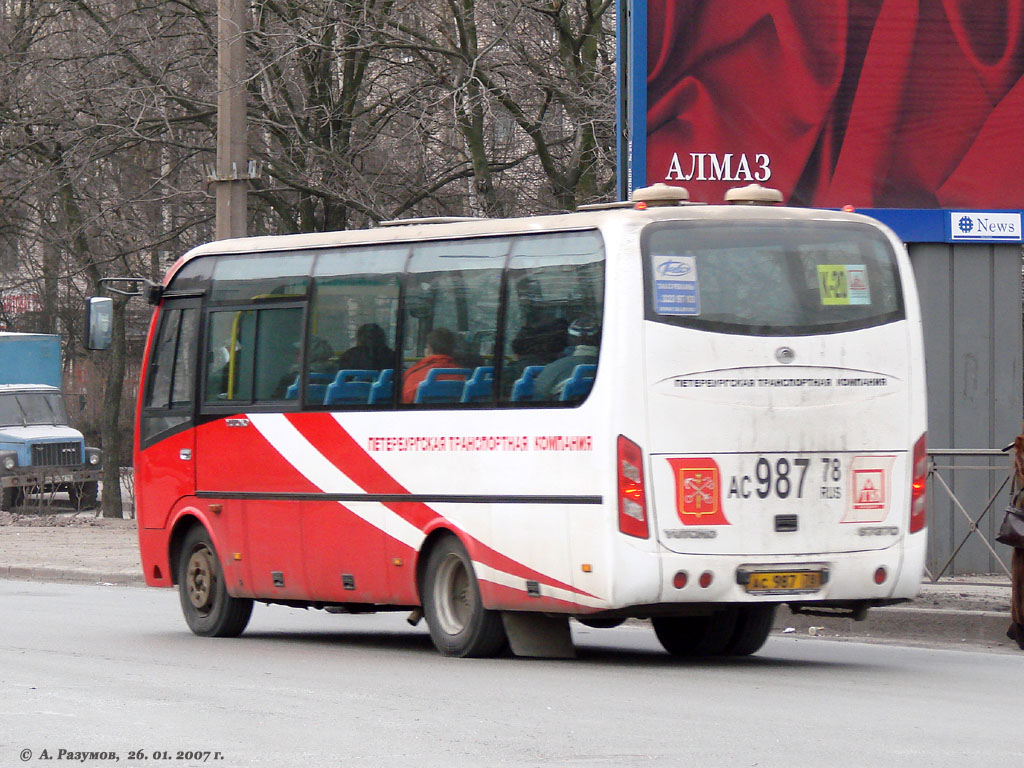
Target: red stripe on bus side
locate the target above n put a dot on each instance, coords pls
(504, 598)
(342, 450)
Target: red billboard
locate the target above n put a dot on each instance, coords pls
(874, 103)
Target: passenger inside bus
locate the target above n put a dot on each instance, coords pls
(536, 345)
(320, 369)
(371, 352)
(584, 337)
(440, 348)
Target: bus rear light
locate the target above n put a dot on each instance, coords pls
(680, 579)
(632, 497)
(706, 578)
(918, 486)
(880, 575)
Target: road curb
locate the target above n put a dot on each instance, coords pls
(905, 623)
(36, 573)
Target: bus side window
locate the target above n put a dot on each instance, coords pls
(158, 385)
(278, 352)
(354, 312)
(228, 365)
(253, 354)
(451, 320)
(169, 381)
(555, 285)
(185, 360)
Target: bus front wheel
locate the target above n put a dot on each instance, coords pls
(459, 624)
(209, 610)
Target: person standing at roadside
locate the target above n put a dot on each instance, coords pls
(1016, 630)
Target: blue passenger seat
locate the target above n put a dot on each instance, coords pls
(350, 386)
(522, 390)
(480, 386)
(434, 389)
(383, 389)
(316, 387)
(579, 384)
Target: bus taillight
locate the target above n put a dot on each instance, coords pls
(918, 486)
(632, 498)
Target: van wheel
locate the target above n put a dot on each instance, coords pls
(459, 624)
(209, 610)
(84, 495)
(753, 625)
(12, 497)
(696, 635)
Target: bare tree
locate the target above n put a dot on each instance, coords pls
(359, 110)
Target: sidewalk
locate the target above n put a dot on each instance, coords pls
(85, 549)
(67, 547)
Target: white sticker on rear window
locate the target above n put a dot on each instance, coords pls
(675, 285)
(843, 284)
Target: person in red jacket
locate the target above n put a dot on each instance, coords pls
(440, 346)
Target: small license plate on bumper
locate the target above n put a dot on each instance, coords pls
(783, 582)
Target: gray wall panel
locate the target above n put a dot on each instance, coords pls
(971, 306)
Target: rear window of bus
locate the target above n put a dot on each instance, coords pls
(770, 278)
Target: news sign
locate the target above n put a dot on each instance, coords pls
(900, 104)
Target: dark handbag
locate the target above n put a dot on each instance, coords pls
(1011, 532)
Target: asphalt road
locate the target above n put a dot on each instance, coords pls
(92, 668)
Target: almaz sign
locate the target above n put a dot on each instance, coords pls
(709, 166)
(984, 226)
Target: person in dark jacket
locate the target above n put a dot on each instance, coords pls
(371, 352)
(1016, 630)
(584, 336)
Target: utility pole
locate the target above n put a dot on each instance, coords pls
(233, 173)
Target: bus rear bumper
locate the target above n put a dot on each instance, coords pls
(875, 577)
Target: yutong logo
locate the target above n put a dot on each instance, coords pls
(690, 533)
(674, 268)
(708, 166)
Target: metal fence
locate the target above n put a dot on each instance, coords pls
(968, 489)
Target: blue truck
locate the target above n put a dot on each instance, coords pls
(39, 452)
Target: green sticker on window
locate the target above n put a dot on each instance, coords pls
(843, 284)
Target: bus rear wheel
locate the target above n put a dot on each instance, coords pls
(459, 624)
(753, 624)
(696, 635)
(209, 610)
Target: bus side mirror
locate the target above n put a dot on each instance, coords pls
(99, 322)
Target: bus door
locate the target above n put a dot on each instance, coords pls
(780, 370)
(253, 355)
(164, 470)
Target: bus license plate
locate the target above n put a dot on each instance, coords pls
(778, 582)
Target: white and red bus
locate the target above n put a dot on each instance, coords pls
(684, 413)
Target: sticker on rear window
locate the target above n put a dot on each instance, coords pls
(676, 291)
(843, 284)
